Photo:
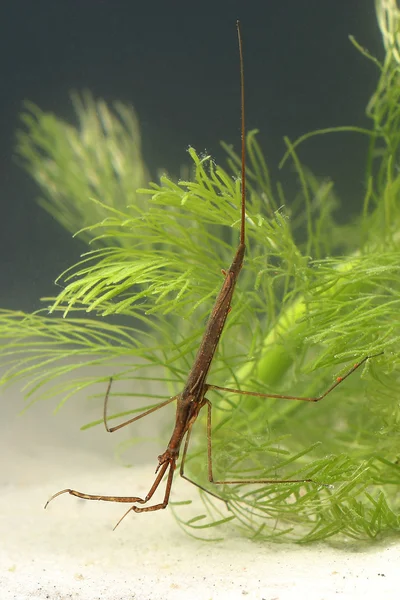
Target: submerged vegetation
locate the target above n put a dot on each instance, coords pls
(313, 297)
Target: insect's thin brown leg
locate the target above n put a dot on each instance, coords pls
(237, 481)
(155, 485)
(338, 381)
(123, 499)
(182, 467)
(131, 499)
(144, 414)
(210, 466)
(192, 398)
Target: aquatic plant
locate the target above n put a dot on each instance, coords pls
(313, 297)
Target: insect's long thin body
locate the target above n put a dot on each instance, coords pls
(216, 321)
(193, 397)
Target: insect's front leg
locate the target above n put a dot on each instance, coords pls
(161, 470)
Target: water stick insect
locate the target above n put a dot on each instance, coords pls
(193, 398)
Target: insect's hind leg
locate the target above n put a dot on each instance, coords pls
(312, 399)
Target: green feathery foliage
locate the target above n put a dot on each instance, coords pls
(306, 307)
(75, 167)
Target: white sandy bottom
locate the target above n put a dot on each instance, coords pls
(69, 551)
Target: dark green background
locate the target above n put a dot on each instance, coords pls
(177, 63)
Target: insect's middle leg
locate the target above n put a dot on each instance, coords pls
(227, 482)
(129, 421)
(185, 448)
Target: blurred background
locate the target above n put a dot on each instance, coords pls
(178, 66)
